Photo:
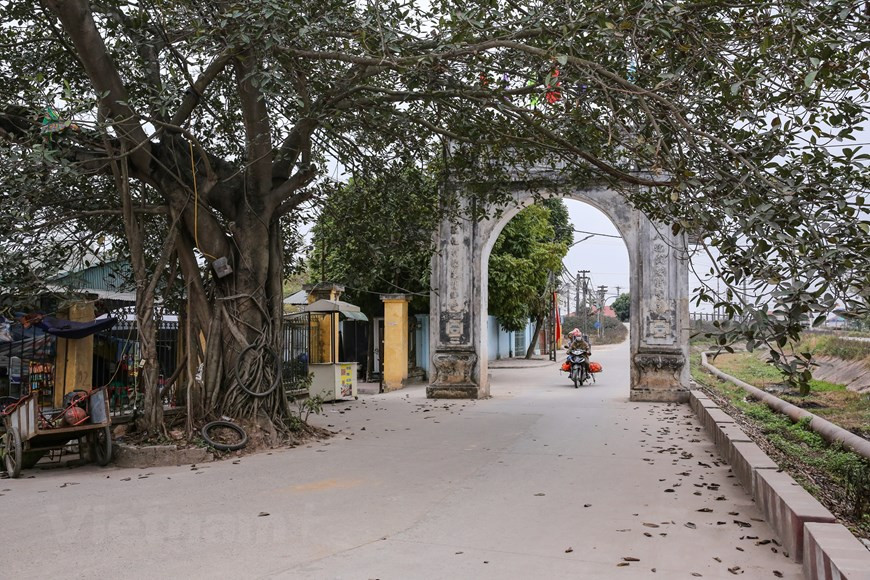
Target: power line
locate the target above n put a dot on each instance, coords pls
(595, 234)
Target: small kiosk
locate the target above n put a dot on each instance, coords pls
(332, 379)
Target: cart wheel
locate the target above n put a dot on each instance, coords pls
(13, 454)
(101, 446)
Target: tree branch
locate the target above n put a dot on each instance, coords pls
(198, 88)
(78, 22)
(257, 127)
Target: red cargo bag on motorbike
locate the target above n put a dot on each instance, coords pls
(594, 367)
(566, 366)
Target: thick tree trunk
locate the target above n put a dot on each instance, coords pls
(244, 339)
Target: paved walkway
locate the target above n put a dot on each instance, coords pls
(541, 481)
(522, 363)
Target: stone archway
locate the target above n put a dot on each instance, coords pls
(658, 286)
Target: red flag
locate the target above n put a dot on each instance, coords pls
(558, 320)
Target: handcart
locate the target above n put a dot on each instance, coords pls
(31, 431)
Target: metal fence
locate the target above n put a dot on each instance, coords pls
(294, 351)
(832, 323)
(117, 359)
(708, 317)
(27, 363)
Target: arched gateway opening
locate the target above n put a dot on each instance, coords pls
(658, 287)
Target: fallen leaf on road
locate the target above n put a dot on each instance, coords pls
(650, 525)
(540, 494)
(777, 573)
(690, 525)
(623, 564)
(630, 559)
(262, 514)
(705, 510)
(569, 550)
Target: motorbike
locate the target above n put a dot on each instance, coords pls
(577, 359)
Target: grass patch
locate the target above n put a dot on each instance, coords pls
(848, 409)
(828, 345)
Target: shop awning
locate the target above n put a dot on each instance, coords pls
(346, 309)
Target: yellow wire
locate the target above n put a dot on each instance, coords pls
(196, 205)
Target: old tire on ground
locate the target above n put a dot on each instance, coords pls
(243, 436)
(13, 454)
(101, 446)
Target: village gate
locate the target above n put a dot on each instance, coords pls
(658, 286)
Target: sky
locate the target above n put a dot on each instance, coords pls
(607, 258)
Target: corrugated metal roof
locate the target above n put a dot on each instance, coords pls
(110, 277)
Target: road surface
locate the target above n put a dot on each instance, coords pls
(540, 481)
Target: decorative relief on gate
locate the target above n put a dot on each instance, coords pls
(454, 328)
(661, 316)
(454, 367)
(455, 319)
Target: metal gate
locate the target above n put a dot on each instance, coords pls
(294, 351)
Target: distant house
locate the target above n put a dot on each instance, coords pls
(296, 300)
(607, 311)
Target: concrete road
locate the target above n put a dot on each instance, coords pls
(541, 481)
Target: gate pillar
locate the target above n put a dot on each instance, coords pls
(457, 371)
(660, 315)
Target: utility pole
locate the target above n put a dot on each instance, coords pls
(582, 281)
(617, 291)
(601, 292)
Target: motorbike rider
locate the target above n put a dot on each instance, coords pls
(581, 342)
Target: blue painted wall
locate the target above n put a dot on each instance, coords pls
(501, 343)
(422, 340)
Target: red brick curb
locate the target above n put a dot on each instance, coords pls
(831, 552)
(808, 531)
